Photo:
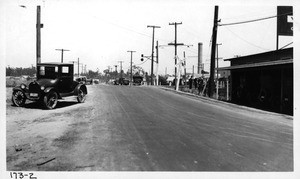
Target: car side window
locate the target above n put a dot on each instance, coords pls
(65, 69)
(42, 70)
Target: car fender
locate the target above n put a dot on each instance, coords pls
(80, 86)
(47, 90)
(18, 88)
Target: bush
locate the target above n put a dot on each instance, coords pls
(15, 81)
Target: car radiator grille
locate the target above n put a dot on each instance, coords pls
(34, 90)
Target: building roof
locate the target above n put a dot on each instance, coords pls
(278, 62)
(274, 54)
(277, 57)
(55, 63)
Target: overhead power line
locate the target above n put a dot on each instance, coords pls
(254, 20)
(250, 43)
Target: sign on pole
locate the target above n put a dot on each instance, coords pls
(285, 20)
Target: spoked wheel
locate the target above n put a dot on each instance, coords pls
(50, 100)
(81, 96)
(18, 98)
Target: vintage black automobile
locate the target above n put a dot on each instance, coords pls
(54, 81)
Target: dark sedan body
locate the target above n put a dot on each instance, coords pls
(54, 81)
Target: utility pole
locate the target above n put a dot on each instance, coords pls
(217, 45)
(213, 53)
(175, 44)
(116, 70)
(121, 75)
(62, 54)
(157, 77)
(152, 52)
(131, 65)
(38, 35)
(78, 67)
(82, 68)
(184, 68)
(193, 70)
(166, 71)
(73, 65)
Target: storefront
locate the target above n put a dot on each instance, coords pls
(263, 81)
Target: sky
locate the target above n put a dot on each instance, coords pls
(100, 32)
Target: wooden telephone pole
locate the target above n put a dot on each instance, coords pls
(38, 35)
(213, 54)
(152, 52)
(131, 65)
(62, 54)
(175, 44)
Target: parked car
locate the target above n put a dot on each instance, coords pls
(54, 81)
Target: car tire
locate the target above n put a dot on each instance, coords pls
(50, 100)
(81, 96)
(18, 98)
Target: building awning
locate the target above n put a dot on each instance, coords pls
(252, 65)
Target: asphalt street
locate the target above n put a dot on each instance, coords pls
(140, 128)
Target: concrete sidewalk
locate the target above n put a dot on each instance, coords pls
(224, 103)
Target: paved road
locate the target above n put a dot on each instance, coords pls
(123, 128)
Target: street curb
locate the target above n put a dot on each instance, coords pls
(224, 103)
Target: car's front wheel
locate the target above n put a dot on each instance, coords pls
(81, 96)
(18, 98)
(50, 100)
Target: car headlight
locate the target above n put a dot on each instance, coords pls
(42, 87)
(23, 86)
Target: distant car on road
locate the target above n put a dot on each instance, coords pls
(123, 81)
(89, 81)
(81, 79)
(96, 81)
(54, 81)
(137, 80)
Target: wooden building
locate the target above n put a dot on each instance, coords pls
(263, 80)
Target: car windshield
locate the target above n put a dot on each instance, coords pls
(49, 72)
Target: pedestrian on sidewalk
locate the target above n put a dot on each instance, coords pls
(191, 83)
(196, 84)
(200, 85)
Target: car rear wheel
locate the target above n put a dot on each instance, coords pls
(81, 96)
(50, 100)
(18, 98)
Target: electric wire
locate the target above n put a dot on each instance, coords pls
(254, 20)
(247, 41)
(142, 62)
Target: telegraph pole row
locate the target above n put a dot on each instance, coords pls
(78, 65)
